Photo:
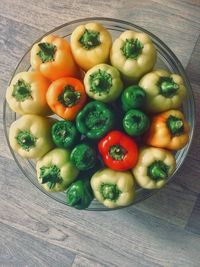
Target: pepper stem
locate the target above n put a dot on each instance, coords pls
(132, 48)
(158, 170)
(26, 140)
(110, 191)
(69, 97)
(50, 175)
(175, 125)
(90, 39)
(47, 52)
(22, 90)
(168, 87)
(100, 82)
(117, 152)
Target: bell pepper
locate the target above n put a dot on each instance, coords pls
(30, 136)
(154, 167)
(83, 156)
(133, 54)
(55, 171)
(90, 45)
(66, 96)
(52, 56)
(135, 122)
(79, 194)
(133, 97)
(168, 130)
(119, 152)
(113, 188)
(103, 83)
(27, 94)
(95, 120)
(65, 134)
(164, 90)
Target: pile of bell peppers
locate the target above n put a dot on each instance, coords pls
(117, 120)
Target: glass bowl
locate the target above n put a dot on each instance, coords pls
(166, 59)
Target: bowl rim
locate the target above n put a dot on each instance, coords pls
(162, 46)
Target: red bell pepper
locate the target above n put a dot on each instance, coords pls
(119, 151)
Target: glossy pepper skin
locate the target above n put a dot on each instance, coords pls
(66, 96)
(103, 83)
(164, 90)
(133, 97)
(83, 156)
(27, 94)
(113, 188)
(154, 167)
(133, 54)
(65, 134)
(135, 122)
(30, 136)
(95, 120)
(90, 45)
(52, 56)
(168, 130)
(55, 171)
(119, 152)
(79, 194)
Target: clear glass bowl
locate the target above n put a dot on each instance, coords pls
(166, 59)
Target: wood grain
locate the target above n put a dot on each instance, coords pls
(35, 252)
(163, 230)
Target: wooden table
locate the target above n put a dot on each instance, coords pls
(164, 230)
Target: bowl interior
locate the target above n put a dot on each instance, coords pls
(166, 60)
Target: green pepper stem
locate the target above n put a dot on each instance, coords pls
(117, 152)
(158, 170)
(69, 97)
(26, 140)
(132, 48)
(50, 175)
(168, 87)
(175, 125)
(90, 39)
(110, 191)
(21, 91)
(47, 52)
(100, 82)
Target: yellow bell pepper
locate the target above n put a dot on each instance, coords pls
(154, 167)
(27, 94)
(168, 130)
(30, 136)
(164, 90)
(55, 171)
(90, 45)
(133, 54)
(113, 188)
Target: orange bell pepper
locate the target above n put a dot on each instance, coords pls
(52, 56)
(66, 96)
(168, 130)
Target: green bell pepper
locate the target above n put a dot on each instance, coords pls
(95, 120)
(79, 194)
(133, 97)
(55, 171)
(83, 156)
(103, 83)
(135, 122)
(65, 134)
